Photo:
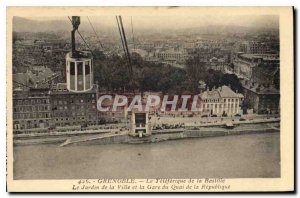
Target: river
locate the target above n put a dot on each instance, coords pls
(242, 156)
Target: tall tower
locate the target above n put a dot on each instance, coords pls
(79, 65)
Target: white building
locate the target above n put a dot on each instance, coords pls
(172, 55)
(221, 101)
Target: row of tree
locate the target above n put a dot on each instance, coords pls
(112, 74)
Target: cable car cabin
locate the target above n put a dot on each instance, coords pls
(140, 125)
(79, 71)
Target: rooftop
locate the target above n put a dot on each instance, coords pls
(38, 77)
(262, 56)
(61, 88)
(259, 89)
(221, 92)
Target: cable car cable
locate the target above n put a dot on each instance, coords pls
(81, 36)
(95, 32)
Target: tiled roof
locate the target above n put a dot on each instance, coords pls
(226, 92)
(221, 92)
(40, 74)
(214, 94)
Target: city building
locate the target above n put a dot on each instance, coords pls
(263, 100)
(244, 63)
(266, 74)
(35, 77)
(41, 102)
(172, 56)
(217, 64)
(255, 47)
(70, 108)
(221, 102)
(31, 109)
(112, 116)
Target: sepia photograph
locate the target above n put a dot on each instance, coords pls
(149, 97)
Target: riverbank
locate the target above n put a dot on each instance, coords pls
(116, 137)
(176, 134)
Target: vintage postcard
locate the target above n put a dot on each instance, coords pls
(150, 99)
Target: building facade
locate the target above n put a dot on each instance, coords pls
(71, 109)
(221, 102)
(31, 109)
(244, 64)
(263, 100)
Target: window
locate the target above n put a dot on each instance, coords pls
(87, 68)
(79, 68)
(72, 68)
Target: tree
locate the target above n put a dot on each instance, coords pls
(112, 73)
(233, 81)
(196, 71)
(217, 79)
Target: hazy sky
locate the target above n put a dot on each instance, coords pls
(160, 22)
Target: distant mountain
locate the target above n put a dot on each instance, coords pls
(221, 29)
(27, 25)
